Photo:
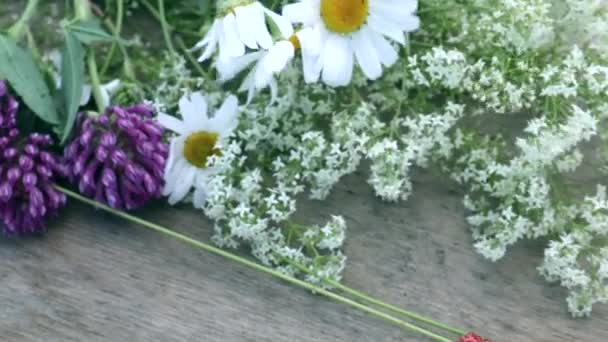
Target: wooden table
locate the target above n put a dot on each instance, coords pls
(94, 277)
(97, 278)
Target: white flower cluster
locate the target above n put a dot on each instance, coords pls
(513, 200)
(579, 259)
(246, 209)
(174, 80)
(413, 141)
(435, 106)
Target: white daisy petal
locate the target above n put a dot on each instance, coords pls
(261, 76)
(226, 117)
(209, 42)
(302, 12)
(278, 56)
(105, 98)
(234, 47)
(259, 28)
(172, 153)
(386, 52)
(173, 175)
(249, 86)
(395, 12)
(193, 109)
(171, 123)
(411, 23)
(200, 194)
(244, 23)
(209, 37)
(366, 54)
(183, 186)
(86, 94)
(337, 61)
(310, 40)
(380, 25)
(282, 23)
(230, 67)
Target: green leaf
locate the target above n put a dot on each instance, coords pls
(19, 68)
(72, 80)
(89, 31)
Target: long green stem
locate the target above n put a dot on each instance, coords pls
(366, 298)
(389, 307)
(251, 264)
(127, 64)
(116, 31)
(165, 27)
(18, 29)
(95, 82)
(83, 12)
(154, 12)
(191, 59)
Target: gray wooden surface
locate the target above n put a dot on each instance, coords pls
(97, 278)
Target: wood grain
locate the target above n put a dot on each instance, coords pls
(97, 278)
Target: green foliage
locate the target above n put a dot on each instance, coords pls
(89, 31)
(72, 75)
(19, 68)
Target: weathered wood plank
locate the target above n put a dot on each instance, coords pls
(94, 277)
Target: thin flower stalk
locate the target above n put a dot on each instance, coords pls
(217, 251)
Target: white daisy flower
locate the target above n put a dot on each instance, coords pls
(269, 63)
(354, 31)
(239, 25)
(198, 137)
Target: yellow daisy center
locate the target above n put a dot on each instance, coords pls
(199, 147)
(295, 42)
(344, 16)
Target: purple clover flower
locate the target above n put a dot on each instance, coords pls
(119, 157)
(27, 171)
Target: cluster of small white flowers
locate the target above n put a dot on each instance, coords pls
(174, 80)
(514, 25)
(413, 142)
(247, 210)
(484, 81)
(474, 60)
(584, 21)
(514, 200)
(579, 259)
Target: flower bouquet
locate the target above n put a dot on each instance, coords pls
(248, 106)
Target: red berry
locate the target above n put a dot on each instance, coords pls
(472, 337)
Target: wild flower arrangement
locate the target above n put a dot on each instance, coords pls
(255, 103)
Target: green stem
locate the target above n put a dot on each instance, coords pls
(251, 264)
(191, 58)
(165, 27)
(83, 12)
(154, 12)
(95, 82)
(127, 64)
(16, 31)
(116, 31)
(83, 9)
(389, 307)
(366, 298)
